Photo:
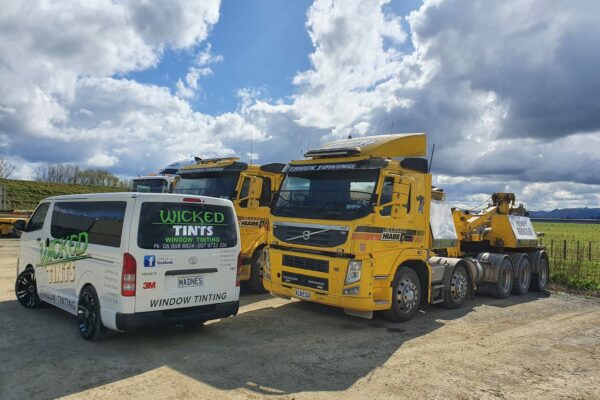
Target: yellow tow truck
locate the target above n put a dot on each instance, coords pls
(358, 225)
(250, 188)
(12, 223)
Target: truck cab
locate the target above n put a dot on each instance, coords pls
(152, 184)
(250, 187)
(357, 225)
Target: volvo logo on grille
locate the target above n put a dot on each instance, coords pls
(306, 235)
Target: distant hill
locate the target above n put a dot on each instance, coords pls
(25, 195)
(568, 213)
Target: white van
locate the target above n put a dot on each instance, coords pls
(126, 260)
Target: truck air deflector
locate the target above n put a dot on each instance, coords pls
(388, 146)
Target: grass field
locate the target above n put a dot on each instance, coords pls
(25, 195)
(574, 251)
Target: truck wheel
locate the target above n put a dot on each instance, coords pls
(456, 294)
(501, 289)
(26, 289)
(256, 272)
(88, 314)
(540, 280)
(406, 295)
(522, 277)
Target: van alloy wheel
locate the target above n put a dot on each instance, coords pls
(26, 289)
(87, 314)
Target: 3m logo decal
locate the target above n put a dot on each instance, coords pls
(149, 285)
(149, 261)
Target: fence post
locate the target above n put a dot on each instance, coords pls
(590, 250)
(551, 248)
(577, 255)
(564, 249)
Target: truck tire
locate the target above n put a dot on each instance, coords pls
(88, 314)
(406, 295)
(522, 274)
(456, 294)
(255, 283)
(26, 289)
(502, 288)
(540, 280)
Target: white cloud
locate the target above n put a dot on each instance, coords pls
(508, 91)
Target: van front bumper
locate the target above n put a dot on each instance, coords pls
(129, 322)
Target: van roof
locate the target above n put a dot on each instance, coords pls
(129, 195)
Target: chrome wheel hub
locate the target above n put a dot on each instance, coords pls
(407, 294)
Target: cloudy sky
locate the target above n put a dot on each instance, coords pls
(509, 91)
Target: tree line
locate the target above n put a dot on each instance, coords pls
(72, 174)
(67, 173)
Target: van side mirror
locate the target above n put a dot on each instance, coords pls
(254, 191)
(400, 198)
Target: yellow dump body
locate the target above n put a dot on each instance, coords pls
(229, 178)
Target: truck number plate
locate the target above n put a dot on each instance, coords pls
(303, 294)
(190, 281)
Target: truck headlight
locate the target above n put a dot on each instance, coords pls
(354, 269)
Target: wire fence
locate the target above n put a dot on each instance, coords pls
(575, 263)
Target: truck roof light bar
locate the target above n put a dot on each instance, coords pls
(341, 151)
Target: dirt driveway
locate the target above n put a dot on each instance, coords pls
(534, 346)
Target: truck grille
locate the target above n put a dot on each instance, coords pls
(321, 236)
(306, 263)
(303, 280)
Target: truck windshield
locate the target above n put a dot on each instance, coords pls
(222, 184)
(150, 185)
(336, 195)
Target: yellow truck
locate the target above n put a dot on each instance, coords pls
(357, 225)
(250, 188)
(13, 223)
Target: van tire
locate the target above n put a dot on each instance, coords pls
(255, 283)
(406, 295)
(88, 314)
(26, 289)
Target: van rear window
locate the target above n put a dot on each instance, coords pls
(101, 220)
(186, 226)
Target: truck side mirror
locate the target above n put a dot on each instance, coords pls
(254, 191)
(19, 225)
(400, 198)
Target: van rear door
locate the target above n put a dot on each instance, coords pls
(186, 250)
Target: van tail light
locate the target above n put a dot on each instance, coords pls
(128, 275)
(239, 270)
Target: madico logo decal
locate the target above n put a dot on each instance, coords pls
(59, 256)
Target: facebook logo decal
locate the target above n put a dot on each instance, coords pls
(149, 261)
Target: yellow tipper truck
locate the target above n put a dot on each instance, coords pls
(250, 188)
(358, 225)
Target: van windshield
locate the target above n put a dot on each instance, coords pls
(221, 184)
(336, 195)
(150, 185)
(170, 226)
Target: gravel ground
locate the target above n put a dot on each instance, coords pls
(532, 346)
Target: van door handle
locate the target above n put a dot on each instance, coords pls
(47, 242)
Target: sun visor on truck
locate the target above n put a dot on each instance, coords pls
(387, 146)
(201, 168)
(442, 225)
